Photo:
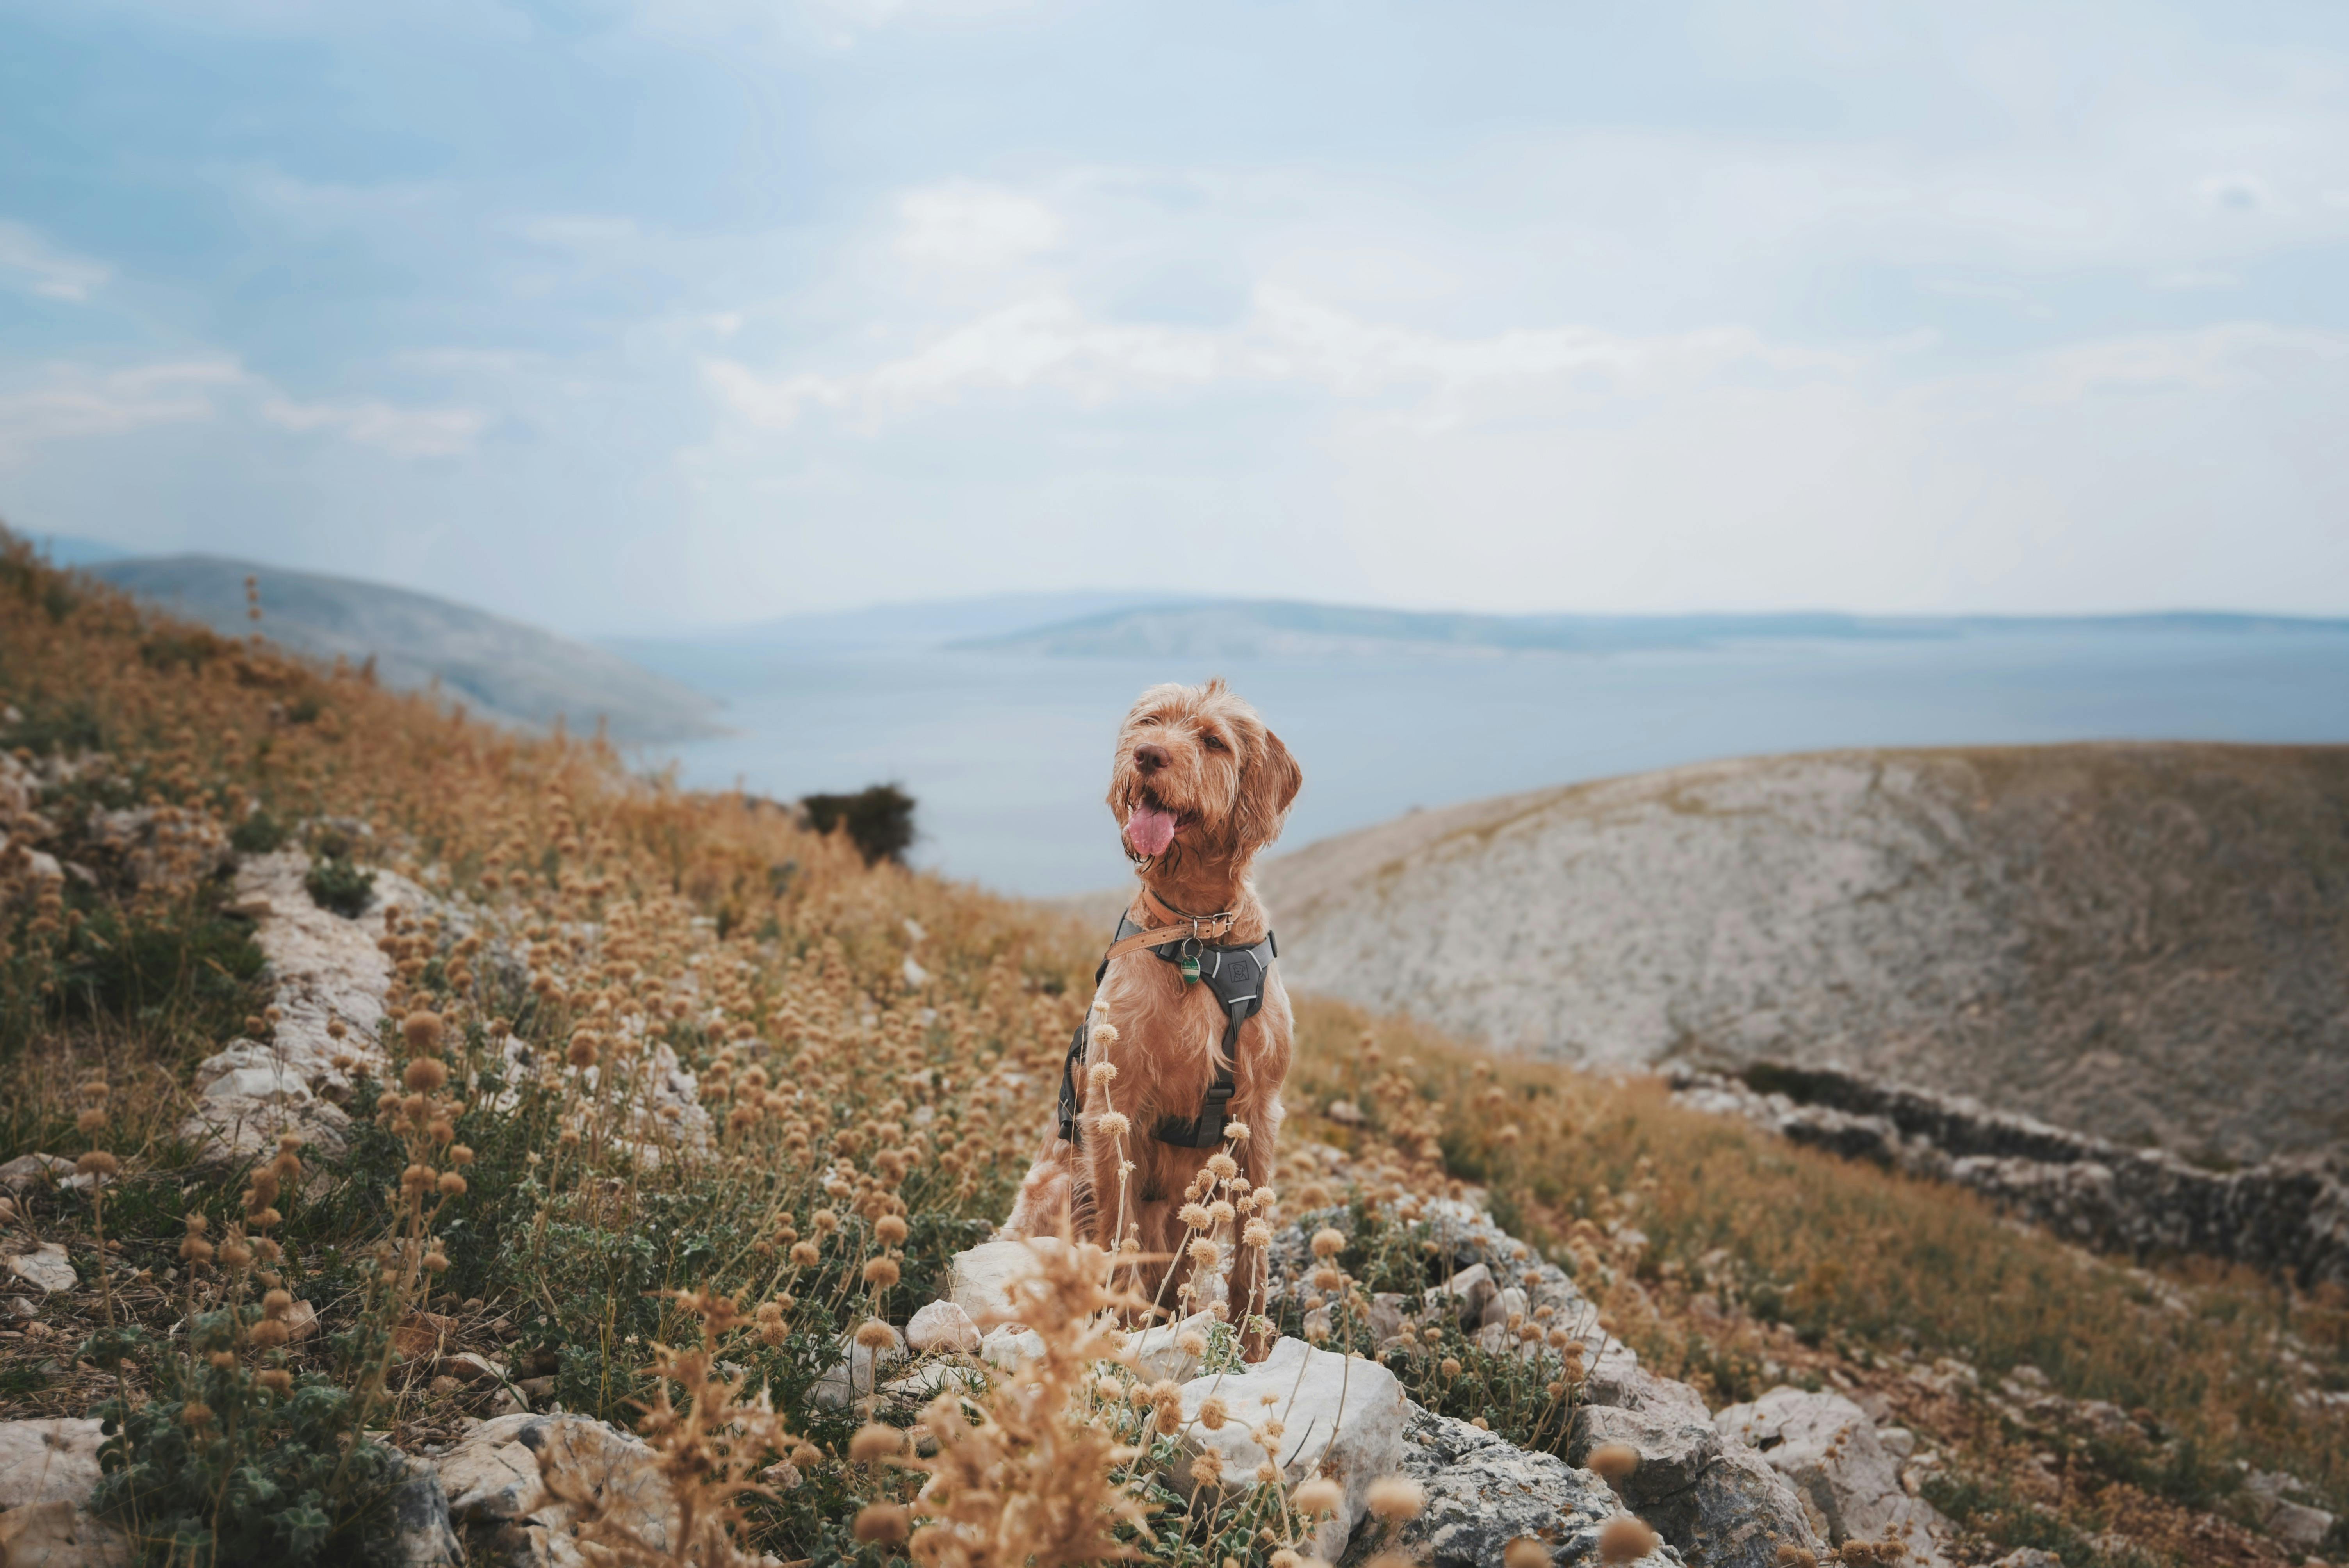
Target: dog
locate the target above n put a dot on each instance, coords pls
(1199, 788)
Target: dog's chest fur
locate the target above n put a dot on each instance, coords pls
(1168, 1032)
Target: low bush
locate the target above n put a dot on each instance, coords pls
(878, 820)
(337, 884)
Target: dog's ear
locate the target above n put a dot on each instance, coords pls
(1268, 786)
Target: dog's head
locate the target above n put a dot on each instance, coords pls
(1199, 777)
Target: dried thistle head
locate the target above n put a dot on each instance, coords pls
(1317, 1497)
(1612, 1462)
(1394, 1498)
(421, 1032)
(1625, 1539)
(875, 1442)
(882, 1523)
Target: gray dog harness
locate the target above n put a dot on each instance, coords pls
(1237, 975)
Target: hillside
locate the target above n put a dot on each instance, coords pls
(501, 668)
(432, 1143)
(2144, 941)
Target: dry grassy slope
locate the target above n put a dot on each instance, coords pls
(2149, 942)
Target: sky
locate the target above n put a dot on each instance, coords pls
(637, 317)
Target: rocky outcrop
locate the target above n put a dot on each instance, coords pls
(2287, 1215)
(323, 968)
(1714, 1501)
(497, 1480)
(2141, 941)
(1320, 1413)
(1828, 1448)
(1481, 1493)
(2298, 1524)
(1709, 1495)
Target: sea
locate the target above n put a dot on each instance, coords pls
(1007, 753)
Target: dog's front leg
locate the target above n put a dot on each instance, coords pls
(1047, 1202)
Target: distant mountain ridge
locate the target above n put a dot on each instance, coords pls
(2148, 942)
(901, 625)
(1274, 628)
(502, 669)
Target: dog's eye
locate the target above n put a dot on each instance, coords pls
(1146, 718)
(1211, 740)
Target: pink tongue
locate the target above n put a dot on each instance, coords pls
(1150, 830)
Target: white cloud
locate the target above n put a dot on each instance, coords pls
(45, 270)
(75, 402)
(371, 422)
(2107, 476)
(1048, 342)
(963, 223)
(2214, 359)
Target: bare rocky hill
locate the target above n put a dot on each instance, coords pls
(503, 670)
(2149, 942)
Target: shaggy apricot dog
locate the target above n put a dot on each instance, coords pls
(1199, 788)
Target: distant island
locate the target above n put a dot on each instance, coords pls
(1294, 629)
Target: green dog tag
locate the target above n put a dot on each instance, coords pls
(1190, 968)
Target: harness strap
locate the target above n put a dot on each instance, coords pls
(1237, 975)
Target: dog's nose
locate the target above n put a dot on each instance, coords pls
(1151, 757)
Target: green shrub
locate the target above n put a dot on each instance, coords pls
(258, 834)
(1453, 1376)
(190, 973)
(60, 729)
(335, 883)
(261, 1476)
(879, 821)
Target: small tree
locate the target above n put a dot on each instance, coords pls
(878, 820)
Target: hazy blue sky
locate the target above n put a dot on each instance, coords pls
(622, 316)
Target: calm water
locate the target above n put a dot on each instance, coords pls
(1009, 755)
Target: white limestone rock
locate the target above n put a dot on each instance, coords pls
(322, 966)
(861, 1375)
(1339, 1416)
(498, 1475)
(1158, 1353)
(48, 1462)
(1828, 1447)
(941, 1326)
(979, 1280)
(44, 1268)
(1009, 1346)
(60, 1535)
(34, 1170)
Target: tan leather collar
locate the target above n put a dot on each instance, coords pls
(1166, 924)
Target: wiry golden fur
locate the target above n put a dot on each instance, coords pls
(1204, 754)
